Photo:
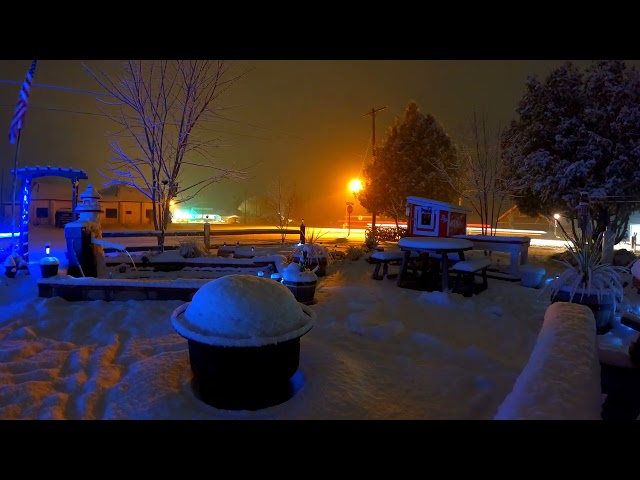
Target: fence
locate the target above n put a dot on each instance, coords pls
(205, 234)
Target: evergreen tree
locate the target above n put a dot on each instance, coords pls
(404, 164)
(578, 132)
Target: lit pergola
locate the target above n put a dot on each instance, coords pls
(26, 174)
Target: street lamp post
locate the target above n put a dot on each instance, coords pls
(555, 228)
(355, 186)
(349, 210)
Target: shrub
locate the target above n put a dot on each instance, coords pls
(354, 253)
(370, 241)
(192, 249)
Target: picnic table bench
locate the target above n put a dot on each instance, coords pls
(516, 247)
(466, 271)
(384, 259)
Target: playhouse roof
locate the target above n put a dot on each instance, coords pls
(427, 202)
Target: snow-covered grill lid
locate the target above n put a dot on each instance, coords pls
(242, 311)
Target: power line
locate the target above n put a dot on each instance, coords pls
(56, 87)
(364, 157)
(31, 107)
(258, 126)
(69, 89)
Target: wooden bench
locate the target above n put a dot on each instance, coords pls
(384, 259)
(465, 271)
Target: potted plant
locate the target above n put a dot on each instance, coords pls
(13, 264)
(589, 281)
(10, 267)
(317, 255)
(301, 279)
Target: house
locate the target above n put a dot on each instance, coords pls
(125, 205)
(50, 204)
(514, 219)
(49, 196)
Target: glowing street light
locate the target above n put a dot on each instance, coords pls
(555, 228)
(355, 186)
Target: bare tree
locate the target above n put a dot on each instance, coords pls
(483, 180)
(160, 107)
(254, 209)
(281, 199)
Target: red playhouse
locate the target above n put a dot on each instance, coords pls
(432, 218)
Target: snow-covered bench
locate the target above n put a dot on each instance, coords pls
(561, 380)
(465, 271)
(384, 259)
(517, 247)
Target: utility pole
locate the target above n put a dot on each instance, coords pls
(373, 152)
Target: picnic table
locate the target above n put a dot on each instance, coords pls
(517, 247)
(441, 247)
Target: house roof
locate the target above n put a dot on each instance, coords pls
(436, 203)
(122, 193)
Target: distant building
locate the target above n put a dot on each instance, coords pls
(48, 196)
(51, 202)
(125, 205)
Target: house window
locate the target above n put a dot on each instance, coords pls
(426, 217)
(111, 213)
(42, 213)
(128, 212)
(149, 214)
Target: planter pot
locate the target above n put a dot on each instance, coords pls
(303, 291)
(49, 267)
(602, 307)
(277, 277)
(10, 271)
(245, 377)
(531, 276)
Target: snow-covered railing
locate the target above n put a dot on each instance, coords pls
(561, 380)
(205, 233)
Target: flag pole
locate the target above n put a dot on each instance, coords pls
(14, 134)
(13, 201)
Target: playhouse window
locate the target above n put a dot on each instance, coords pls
(426, 217)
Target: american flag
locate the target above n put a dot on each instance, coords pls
(21, 108)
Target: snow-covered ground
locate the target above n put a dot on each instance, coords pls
(376, 351)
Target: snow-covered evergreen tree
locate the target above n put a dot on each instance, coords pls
(578, 132)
